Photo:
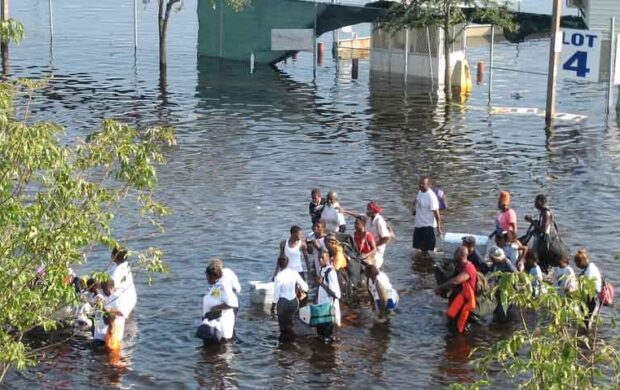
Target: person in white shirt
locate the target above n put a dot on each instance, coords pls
(427, 217)
(332, 214)
(111, 304)
(329, 291)
(314, 243)
(384, 296)
(294, 248)
(91, 299)
(217, 305)
(564, 277)
(120, 272)
(591, 271)
(533, 269)
(376, 226)
(379, 230)
(229, 276)
(285, 299)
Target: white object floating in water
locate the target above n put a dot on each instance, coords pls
(451, 241)
(261, 293)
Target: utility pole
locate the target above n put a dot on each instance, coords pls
(135, 27)
(4, 43)
(554, 56)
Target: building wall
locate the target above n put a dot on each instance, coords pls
(387, 54)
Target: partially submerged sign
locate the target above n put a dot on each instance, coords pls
(581, 54)
(288, 39)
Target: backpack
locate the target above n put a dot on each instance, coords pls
(441, 198)
(482, 284)
(607, 294)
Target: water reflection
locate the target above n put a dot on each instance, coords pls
(214, 368)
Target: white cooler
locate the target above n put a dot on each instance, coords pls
(261, 293)
(451, 241)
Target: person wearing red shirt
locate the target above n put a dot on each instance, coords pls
(463, 286)
(364, 241)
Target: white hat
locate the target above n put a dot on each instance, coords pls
(496, 253)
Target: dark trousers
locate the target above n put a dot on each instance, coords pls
(286, 310)
(424, 238)
(325, 330)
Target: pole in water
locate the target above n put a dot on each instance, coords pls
(252, 62)
(491, 62)
(355, 68)
(612, 52)
(51, 12)
(135, 27)
(320, 49)
(554, 56)
(406, 69)
(314, 44)
(480, 73)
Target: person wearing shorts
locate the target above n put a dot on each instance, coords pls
(427, 217)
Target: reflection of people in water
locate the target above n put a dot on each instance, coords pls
(213, 367)
(455, 358)
(114, 337)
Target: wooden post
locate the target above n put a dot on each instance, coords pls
(4, 45)
(554, 56)
(480, 73)
(320, 49)
(355, 68)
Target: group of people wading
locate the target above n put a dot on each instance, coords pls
(328, 265)
(332, 261)
(546, 260)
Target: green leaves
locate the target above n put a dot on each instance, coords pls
(11, 30)
(552, 350)
(442, 13)
(58, 200)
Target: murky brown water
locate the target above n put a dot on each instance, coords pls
(250, 149)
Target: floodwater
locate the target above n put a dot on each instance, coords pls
(250, 149)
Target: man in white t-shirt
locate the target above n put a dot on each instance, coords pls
(379, 230)
(427, 217)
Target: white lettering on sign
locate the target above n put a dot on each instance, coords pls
(581, 55)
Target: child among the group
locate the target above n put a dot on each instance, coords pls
(564, 277)
(532, 268)
(514, 250)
